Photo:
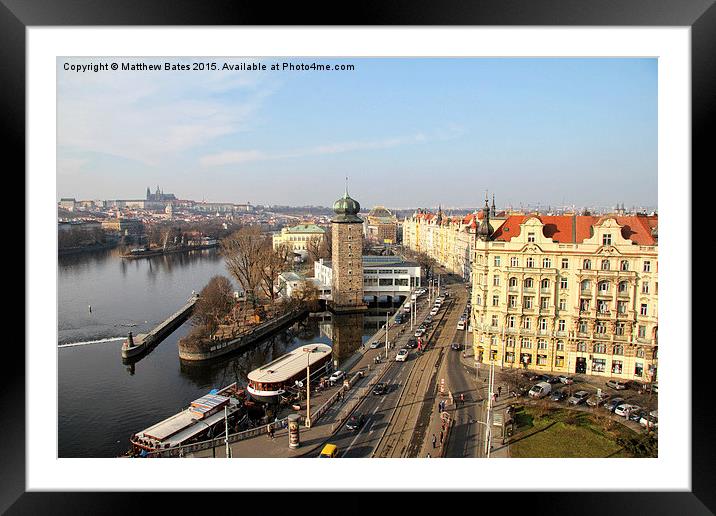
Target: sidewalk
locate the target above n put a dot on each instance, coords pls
(312, 438)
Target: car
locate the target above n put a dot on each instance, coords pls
(336, 376)
(330, 451)
(578, 398)
(552, 379)
(380, 388)
(636, 415)
(532, 377)
(402, 355)
(456, 346)
(419, 332)
(625, 409)
(540, 390)
(399, 319)
(558, 395)
(543, 378)
(355, 421)
(375, 344)
(596, 401)
(428, 319)
(434, 311)
(650, 420)
(618, 385)
(567, 380)
(613, 403)
(412, 343)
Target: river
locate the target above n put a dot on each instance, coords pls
(103, 402)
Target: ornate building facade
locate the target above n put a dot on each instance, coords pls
(568, 293)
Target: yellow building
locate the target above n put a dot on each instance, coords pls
(448, 240)
(297, 238)
(381, 226)
(568, 293)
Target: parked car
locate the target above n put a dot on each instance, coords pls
(336, 376)
(419, 332)
(567, 380)
(625, 408)
(434, 311)
(650, 420)
(412, 343)
(540, 390)
(636, 415)
(613, 403)
(461, 324)
(618, 385)
(558, 395)
(429, 319)
(578, 398)
(375, 344)
(380, 388)
(456, 346)
(553, 379)
(596, 401)
(355, 421)
(402, 355)
(532, 377)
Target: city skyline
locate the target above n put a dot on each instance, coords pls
(406, 131)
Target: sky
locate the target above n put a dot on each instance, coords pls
(407, 132)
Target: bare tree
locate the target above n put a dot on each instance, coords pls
(243, 251)
(214, 304)
(273, 262)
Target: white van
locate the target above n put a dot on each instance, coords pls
(540, 390)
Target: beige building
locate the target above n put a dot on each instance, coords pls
(568, 293)
(381, 226)
(448, 240)
(298, 238)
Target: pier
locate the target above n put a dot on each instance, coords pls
(134, 346)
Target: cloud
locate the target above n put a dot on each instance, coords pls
(243, 156)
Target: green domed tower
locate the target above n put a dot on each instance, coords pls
(347, 256)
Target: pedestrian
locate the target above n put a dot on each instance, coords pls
(462, 398)
(435, 439)
(442, 434)
(499, 390)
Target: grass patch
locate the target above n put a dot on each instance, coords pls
(566, 433)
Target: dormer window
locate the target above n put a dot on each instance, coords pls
(530, 237)
(607, 239)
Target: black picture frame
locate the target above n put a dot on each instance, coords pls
(700, 15)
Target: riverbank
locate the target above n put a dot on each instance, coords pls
(86, 248)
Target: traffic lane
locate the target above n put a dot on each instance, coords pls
(465, 434)
(377, 410)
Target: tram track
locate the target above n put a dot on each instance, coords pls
(403, 435)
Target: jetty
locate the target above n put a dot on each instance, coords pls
(135, 346)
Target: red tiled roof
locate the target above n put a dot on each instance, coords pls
(578, 228)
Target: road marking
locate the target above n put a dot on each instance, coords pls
(355, 438)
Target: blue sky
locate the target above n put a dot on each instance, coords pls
(407, 132)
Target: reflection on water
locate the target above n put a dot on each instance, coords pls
(103, 401)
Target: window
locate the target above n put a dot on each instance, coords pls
(510, 342)
(530, 237)
(600, 327)
(584, 305)
(586, 285)
(544, 284)
(617, 366)
(527, 323)
(496, 281)
(582, 326)
(623, 287)
(386, 282)
(563, 283)
(599, 365)
(640, 352)
(527, 304)
(582, 347)
(494, 321)
(563, 304)
(642, 332)
(599, 348)
(546, 263)
(561, 325)
(565, 263)
(544, 302)
(621, 307)
(644, 309)
(530, 263)
(514, 262)
(603, 306)
(647, 266)
(526, 343)
(528, 282)
(541, 359)
(624, 265)
(603, 287)
(638, 369)
(512, 282)
(607, 239)
(620, 328)
(495, 300)
(512, 301)
(618, 350)
(559, 361)
(543, 324)
(497, 261)
(645, 287)
(587, 264)
(605, 265)
(511, 321)
(478, 300)
(509, 357)
(560, 345)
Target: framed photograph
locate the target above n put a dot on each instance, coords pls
(263, 237)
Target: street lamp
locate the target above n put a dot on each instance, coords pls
(308, 386)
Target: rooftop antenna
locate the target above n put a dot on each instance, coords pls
(346, 186)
